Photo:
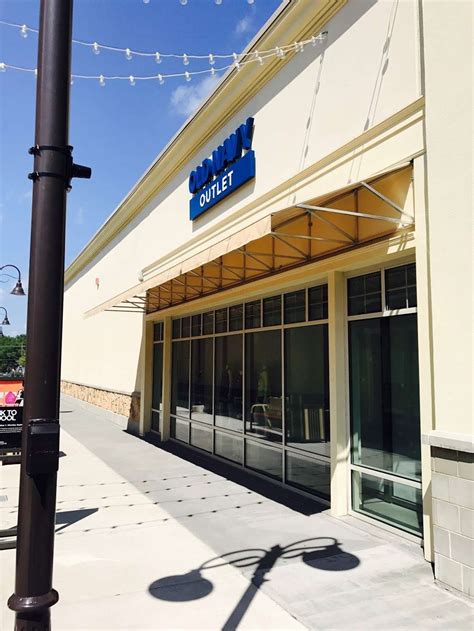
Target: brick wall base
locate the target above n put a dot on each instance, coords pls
(124, 404)
(452, 486)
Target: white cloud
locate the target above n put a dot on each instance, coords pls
(185, 99)
(244, 25)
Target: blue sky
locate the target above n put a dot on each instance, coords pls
(117, 130)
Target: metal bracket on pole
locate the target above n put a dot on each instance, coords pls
(70, 169)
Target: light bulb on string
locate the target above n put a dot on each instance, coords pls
(183, 2)
(36, 73)
(218, 2)
(258, 57)
(212, 60)
(236, 61)
(213, 71)
(160, 79)
(128, 54)
(3, 67)
(158, 58)
(131, 79)
(24, 31)
(185, 60)
(187, 76)
(279, 52)
(250, 1)
(146, 1)
(102, 81)
(71, 81)
(96, 48)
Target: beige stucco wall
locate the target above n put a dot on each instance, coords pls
(306, 118)
(448, 54)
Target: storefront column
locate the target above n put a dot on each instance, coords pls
(146, 377)
(338, 395)
(166, 396)
(425, 352)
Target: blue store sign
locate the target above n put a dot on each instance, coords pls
(224, 172)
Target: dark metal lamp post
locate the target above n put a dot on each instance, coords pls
(53, 170)
(5, 319)
(18, 289)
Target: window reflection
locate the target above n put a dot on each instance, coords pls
(201, 380)
(228, 394)
(307, 388)
(180, 379)
(384, 394)
(263, 412)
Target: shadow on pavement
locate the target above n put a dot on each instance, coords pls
(275, 492)
(321, 553)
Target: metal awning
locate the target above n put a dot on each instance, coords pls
(360, 213)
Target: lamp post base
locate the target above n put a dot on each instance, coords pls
(33, 612)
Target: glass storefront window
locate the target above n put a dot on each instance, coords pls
(307, 388)
(400, 287)
(221, 321)
(158, 332)
(201, 437)
(196, 325)
(157, 376)
(272, 311)
(253, 314)
(263, 377)
(208, 323)
(309, 474)
(180, 430)
(263, 458)
(388, 501)
(185, 327)
(294, 306)
(318, 302)
(364, 294)
(228, 446)
(228, 380)
(236, 318)
(180, 379)
(176, 329)
(384, 394)
(201, 380)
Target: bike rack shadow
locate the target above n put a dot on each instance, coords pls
(320, 553)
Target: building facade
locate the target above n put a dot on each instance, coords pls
(287, 286)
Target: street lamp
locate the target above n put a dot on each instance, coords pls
(5, 319)
(18, 289)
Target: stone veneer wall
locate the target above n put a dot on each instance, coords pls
(453, 517)
(125, 404)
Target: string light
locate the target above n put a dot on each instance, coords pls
(238, 62)
(212, 61)
(24, 31)
(128, 54)
(158, 58)
(218, 2)
(96, 48)
(184, 2)
(185, 60)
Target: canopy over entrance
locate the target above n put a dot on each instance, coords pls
(358, 214)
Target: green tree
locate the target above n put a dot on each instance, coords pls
(11, 350)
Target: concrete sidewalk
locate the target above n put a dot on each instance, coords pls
(149, 540)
